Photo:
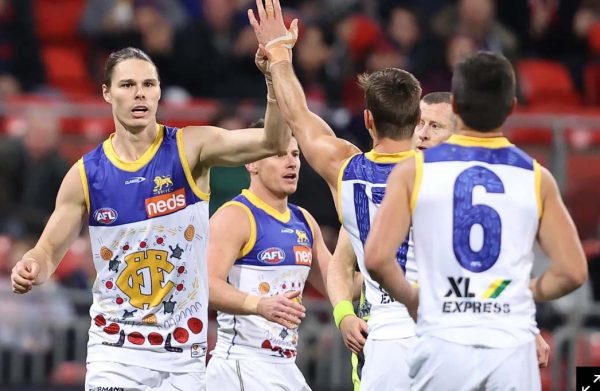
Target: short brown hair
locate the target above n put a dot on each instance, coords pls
(121, 55)
(434, 98)
(392, 95)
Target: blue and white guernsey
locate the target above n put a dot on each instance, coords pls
(276, 259)
(148, 225)
(361, 187)
(476, 206)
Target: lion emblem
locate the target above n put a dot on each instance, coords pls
(162, 182)
(302, 236)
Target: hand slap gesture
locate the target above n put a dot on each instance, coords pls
(271, 32)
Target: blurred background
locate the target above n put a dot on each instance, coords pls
(51, 112)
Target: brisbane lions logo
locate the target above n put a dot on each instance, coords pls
(162, 184)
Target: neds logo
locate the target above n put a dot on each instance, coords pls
(105, 215)
(165, 203)
(271, 256)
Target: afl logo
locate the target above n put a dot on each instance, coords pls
(271, 256)
(105, 215)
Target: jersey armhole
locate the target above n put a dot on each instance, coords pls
(339, 186)
(252, 239)
(537, 171)
(84, 183)
(418, 178)
(186, 168)
(307, 217)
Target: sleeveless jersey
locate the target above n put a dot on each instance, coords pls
(476, 206)
(276, 259)
(361, 187)
(148, 228)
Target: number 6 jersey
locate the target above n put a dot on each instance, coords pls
(148, 228)
(475, 211)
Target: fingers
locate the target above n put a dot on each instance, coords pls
(294, 28)
(261, 10)
(277, 9)
(269, 8)
(292, 294)
(252, 20)
(21, 283)
(34, 269)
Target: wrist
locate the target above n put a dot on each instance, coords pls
(341, 310)
(250, 305)
(277, 54)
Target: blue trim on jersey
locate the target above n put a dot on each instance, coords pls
(276, 240)
(510, 156)
(363, 169)
(119, 197)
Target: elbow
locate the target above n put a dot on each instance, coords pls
(578, 276)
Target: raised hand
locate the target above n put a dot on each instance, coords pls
(271, 32)
(354, 332)
(282, 309)
(24, 274)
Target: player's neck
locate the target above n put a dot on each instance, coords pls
(465, 131)
(130, 145)
(275, 201)
(387, 145)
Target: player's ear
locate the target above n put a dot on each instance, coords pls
(368, 118)
(252, 169)
(106, 93)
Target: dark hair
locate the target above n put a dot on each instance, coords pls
(392, 95)
(434, 98)
(483, 87)
(121, 55)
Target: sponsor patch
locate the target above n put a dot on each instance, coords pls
(165, 204)
(271, 256)
(303, 255)
(105, 215)
(136, 179)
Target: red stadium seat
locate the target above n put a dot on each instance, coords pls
(65, 69)
(57, 21)
(547, 84)
(591, 84)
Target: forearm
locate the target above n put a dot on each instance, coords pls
(552, 285)
(390, 276)
(277, 133)
(224, 297)
(340, 282)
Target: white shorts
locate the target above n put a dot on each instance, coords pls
(251, 375)
(386, 364)
(103, 375)
(436, 364)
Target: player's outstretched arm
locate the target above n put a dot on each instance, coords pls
(65, 223)
(321, 148)
(558, 238)
(340, 286)
(228, 236)
(389, 229)
(209, 146)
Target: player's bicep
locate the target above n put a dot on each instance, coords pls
(557, 233)
(229, 231)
